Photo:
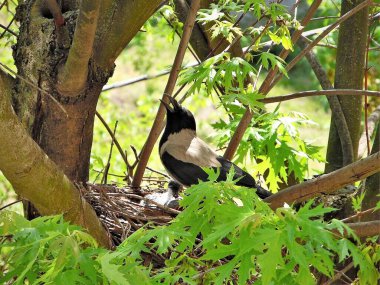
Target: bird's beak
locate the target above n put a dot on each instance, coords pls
(168, 108)
(176, 105)
(174, 102)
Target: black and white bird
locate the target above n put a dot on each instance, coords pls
(184, 154)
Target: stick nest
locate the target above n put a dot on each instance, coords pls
(125, 210)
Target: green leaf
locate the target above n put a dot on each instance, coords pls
(110, 270)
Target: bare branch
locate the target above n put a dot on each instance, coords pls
(335, 106)
(332, 92)
(37, 178)
(322, 36)
(114, 139)
(108, 165)
(129, 166)
(8, 30)
(72, 78)
(327, 183)
(141, 78)
(358, 215)
(158, 122)
(30, 83)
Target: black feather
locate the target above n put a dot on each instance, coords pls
(189, 173)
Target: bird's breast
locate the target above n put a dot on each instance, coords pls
(187, 147)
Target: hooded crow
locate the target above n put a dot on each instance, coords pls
(184, 154)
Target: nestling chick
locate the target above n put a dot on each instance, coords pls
(170, 198)
(184, 154)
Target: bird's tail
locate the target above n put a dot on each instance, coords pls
(262, 193)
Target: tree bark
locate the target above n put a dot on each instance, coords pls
(42, 55)
(349, 73)
(35, 177)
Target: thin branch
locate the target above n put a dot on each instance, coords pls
(120, 149)
(265, 88)
(158, 122)
(3, 4)
(7, 27)
(358, 215)
(142, 78)
(8, 30)
(339, 274)
(332, 92)
(73, 76)
(30, 83)
(373, 119)
(343, 18)
(114, 139)
(10, 204)
(327, 183)
(335, 106)
(108, 165)
(366, 69)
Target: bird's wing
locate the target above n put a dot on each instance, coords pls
(245, 179)
(184, 172)
(192, 150)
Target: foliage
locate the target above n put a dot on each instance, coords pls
(224, 233)
(272, 139)
(48, 250)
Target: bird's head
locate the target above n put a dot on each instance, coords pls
(178, 117)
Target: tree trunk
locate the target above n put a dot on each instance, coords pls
(348, 75)
(65, 136)
(62, 68)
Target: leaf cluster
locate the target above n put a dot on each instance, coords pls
(221, 19)
(227, 233)
(48, 250)
(272, 139)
